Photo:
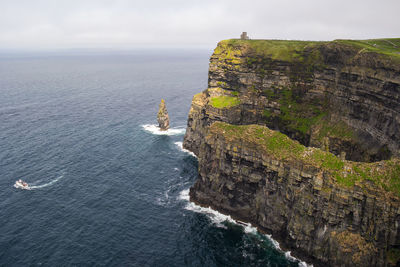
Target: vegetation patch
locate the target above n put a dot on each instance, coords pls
(228, 52)
(298, 51)
(283, 50)
(305, 115)
(235, 93)
(385, 174)
(336, 130)
(299, 116)
(388, 46)
(224, 101)
(393, 256)
(355, 243)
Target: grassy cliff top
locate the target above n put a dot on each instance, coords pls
(385, 174)
(276, 49)
(387, 46)
(291, 50)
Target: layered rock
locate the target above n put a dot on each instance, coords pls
(354, 94)
(162, 116)
(292, 192)
(336, 98)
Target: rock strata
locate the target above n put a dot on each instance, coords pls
(301, 139)
(162, 116)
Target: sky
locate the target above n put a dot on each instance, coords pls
(124, 24)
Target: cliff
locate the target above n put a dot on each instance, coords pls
(301, 139)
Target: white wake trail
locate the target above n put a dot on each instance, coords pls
(46, 184)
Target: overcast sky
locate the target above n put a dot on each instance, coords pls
(60, 24)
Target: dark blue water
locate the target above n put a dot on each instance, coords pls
(106, 191)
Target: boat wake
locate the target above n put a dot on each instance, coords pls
(34, 185)
(218, 219)
(154, 129)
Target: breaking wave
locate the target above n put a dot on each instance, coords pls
(180, 146)
(218, 218)
(154, 129)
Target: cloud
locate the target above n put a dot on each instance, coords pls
(128, 24)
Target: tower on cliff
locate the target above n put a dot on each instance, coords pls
(244, 36)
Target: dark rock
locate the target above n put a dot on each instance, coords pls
(330, 95)
(162, 116)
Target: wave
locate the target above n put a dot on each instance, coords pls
(46, 184)
(218, 218)
(154, 129)
(180, 146)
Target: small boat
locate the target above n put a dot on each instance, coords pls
(22, 185)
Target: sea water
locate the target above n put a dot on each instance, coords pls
(107, 187)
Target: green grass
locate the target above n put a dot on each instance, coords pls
(276, 49)
(305, 115)
(299, 116)
(237, 51)
(224, 101)
(228, 52)
(388, 46)
(385, 174)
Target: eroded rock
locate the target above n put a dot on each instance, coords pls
(162, 116)
(333, 96)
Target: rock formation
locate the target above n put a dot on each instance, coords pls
(301, 139)
(162, 116)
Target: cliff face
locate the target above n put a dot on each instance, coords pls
(258, 176)
(334, 95)
(325, 180)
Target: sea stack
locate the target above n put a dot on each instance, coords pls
(162, 116)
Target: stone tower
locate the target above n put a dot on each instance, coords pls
(244, 36)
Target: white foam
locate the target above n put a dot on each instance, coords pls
(154, 129)
(184, 195)
(218, 218)
(180, 146)
(301, 263)
(47, 184)
(248, 228)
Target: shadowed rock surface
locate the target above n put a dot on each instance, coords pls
(162, 116)
(314, 161)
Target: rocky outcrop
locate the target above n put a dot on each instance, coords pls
(334, 91)
(162, 116)
(295, 197)
(266, 132)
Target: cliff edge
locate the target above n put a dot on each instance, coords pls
(301, 139)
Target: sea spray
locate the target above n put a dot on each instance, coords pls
(180, 146)
(218, 218)
(154, 129)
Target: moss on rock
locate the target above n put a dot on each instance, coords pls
(224, 101)
(385, 174)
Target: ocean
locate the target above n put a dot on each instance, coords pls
(107, 187)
